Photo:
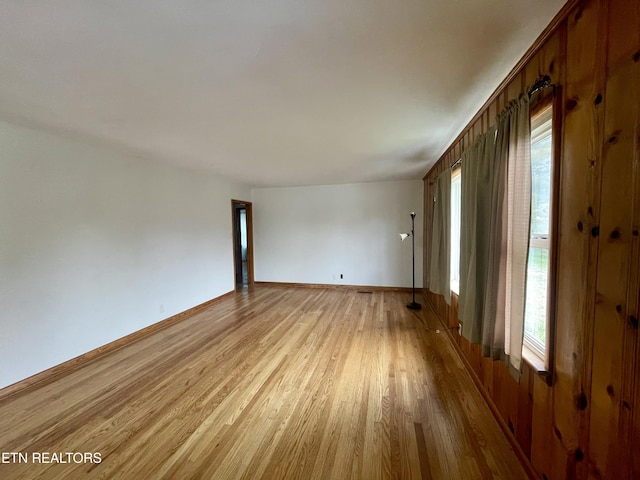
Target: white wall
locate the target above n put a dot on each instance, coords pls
(95, 244)
(312, 234)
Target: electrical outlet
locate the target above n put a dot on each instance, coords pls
(341, 276)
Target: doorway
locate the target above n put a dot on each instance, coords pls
(242, 214)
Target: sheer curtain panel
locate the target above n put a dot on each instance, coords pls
(518, 122)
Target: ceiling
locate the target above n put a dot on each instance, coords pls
(269, 93)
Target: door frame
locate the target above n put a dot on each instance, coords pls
(249, 209)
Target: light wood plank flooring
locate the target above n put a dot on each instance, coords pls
(270, 383)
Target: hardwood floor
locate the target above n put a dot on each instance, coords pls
(270, 383)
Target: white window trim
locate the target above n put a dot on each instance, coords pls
(534, 352)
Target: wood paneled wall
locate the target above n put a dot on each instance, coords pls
(586, 425)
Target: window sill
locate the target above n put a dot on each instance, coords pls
(536, 363)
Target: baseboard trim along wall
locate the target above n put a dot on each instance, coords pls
(69, 366)
(339, 287)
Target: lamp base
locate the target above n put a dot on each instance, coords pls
(414, 306)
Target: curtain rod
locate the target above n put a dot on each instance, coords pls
(450, 166)
(541, 83)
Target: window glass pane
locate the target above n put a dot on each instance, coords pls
(541, 179)
(455, 231)
(535, 322)
(536, 308)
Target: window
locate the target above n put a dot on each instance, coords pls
(536, 321)
(456, 185)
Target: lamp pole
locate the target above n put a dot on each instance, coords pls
(413, 305)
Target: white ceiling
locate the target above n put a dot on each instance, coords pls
(271, 93)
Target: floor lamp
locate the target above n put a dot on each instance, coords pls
(413, 305)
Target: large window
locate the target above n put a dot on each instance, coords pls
(536, 322)
(455, 229)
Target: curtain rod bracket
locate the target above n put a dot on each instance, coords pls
(541, 83)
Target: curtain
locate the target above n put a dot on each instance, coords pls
(519, 223)
(439, 274)
(475, 214)
(496, 212)
(493, 311)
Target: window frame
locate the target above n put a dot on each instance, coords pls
(544, 363)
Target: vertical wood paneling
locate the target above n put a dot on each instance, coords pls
(541, 427)
(632, 388)
(550, 56)
(511, 391)
(453, 312)
(497, 106)
(500, 399)
(582, 425)
(492, 112)
(610, 423)
(514, 89)
(577, 246)
(525, 410)
(477, 129)
(487, 375)
(532, 69)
